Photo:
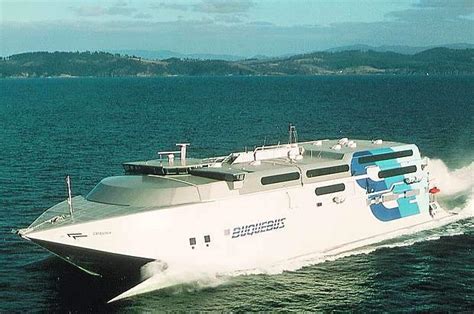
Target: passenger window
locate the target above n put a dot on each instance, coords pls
(328, 189)
(280, 178)
(396, 172)
(325, 171)
(386, 156)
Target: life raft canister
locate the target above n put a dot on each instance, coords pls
(434, 190)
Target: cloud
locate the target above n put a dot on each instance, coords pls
(228, 19)
(425, 23)
(467, 4)
(261, 23)
(121, 3)
(142, 16)
(89, 10)
(173, 6)
(435, 11)
(207, 36)
(212, 6)
(223, 6)
(119, 9)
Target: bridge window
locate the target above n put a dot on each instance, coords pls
(325, 171)
(328, 189)
(396, 171)
(386, 156)
(280, 178)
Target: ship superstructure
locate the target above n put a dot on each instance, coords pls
(241, 211)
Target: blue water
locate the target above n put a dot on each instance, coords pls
(87, 127)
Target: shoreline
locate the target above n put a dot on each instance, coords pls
(242, 76)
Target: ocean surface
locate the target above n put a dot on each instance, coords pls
(87, 127)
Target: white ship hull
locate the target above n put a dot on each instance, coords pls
(299, 227)
(274, 215)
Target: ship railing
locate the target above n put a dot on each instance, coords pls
(270, 147)
(166, 153)
(279, 145)
(170, 154)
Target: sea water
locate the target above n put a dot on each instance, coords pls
(86, 127)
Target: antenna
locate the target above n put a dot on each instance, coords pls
(182, 152)
(69, 194)
(292, 134)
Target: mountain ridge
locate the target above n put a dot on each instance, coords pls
(441, 61)
(402, 49)
(166, 54)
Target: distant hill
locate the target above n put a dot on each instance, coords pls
(442, 61)
(433, 61)
(407, 50)
(166, 54)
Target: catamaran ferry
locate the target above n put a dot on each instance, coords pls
(241, 211)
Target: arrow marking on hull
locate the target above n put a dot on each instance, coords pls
(76, 235)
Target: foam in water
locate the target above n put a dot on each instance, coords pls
(157, 277)
(456, 183)
(452, 183)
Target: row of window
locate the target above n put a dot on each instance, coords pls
(310, 174)
(291, 176)
(339, 187)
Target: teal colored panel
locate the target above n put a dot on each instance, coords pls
(406, 208)
(381, 150)
(400, 188)
(387, 164)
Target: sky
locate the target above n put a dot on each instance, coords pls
(235, 27)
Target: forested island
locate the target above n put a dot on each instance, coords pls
(437, 61)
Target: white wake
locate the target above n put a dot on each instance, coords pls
(451, 182)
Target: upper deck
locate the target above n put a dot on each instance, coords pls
(168, 182)
(262, 159)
